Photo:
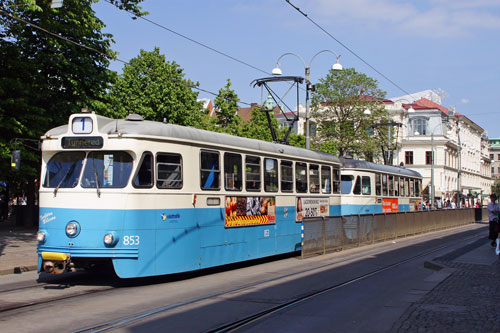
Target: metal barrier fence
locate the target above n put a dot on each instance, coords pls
(331, 233)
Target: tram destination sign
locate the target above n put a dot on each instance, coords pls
(79, 142)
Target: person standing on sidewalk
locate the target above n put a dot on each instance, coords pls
(493, 210)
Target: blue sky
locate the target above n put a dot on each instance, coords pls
(449, 45)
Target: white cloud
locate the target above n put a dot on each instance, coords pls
(430, 18)
(464, 101)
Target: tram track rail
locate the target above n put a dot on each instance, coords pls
(255, 317)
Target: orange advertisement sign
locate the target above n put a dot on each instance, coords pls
(248, 211)
(390, 205)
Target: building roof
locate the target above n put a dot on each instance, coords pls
(426, 103)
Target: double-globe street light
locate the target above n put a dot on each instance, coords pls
(309, 87)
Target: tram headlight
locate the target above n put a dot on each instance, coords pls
(110, 239)
(72, 229)
(40, 236)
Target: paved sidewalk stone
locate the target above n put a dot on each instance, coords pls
(468, 300)
(17, 248)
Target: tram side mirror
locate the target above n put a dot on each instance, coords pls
(16, 160)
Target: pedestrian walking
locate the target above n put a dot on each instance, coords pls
(493, 210)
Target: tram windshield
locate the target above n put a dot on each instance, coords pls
(109, 169)
(346, 183)
(63, 169)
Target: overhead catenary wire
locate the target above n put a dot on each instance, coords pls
(190, 39)
(347, 48)
(133, 15)
(33, 25)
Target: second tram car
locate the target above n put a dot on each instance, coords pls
(373, 188)
(156, 198)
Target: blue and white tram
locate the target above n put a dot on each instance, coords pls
(374, 188)
(156, 198)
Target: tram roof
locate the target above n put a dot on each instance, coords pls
(348, 163)
(151, 128)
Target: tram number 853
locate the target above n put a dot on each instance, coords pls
(131, 240)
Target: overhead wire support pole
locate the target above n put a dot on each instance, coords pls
(307, 70)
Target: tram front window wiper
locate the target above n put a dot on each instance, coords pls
(69, 172)
(96, 179)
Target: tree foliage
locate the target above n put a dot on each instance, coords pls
(43, 78)
(339, 104)
(156, 89)
(226, 107)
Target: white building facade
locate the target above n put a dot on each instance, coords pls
(460, 165)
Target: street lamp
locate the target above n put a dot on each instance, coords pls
(277, 71)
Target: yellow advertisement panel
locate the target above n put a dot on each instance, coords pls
(248, 211)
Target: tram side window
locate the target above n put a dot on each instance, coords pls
(357, 186)
(336, 180)
(401, 187)
(384, 185)
(366, 185)
(210, 170)
(346, 183)
(301, 177)
(378, 184)
(169, 171)
(232, 172)
(252, 173)
(107, 169)
(326, 179)
(412, 188)
(314, 178)
(286, 176)
(418, 184)
(63, 169)
(407, 188)
(271, 175)
(396, 186)
(391, 186)
(144, 174)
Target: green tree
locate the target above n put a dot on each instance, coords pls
(339, 104)
(43, 78)
(257, 127)
(156, 89)
(226, 107)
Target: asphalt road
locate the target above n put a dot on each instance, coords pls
(207, 301)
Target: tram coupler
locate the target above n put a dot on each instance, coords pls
(56, 263)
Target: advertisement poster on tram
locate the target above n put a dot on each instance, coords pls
(312, 207)
(248, 211)
(390, 205)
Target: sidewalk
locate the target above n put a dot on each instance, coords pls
(466, 300)
(17, 248)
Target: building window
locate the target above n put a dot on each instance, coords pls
(408, 157)
(492, 170)
(498, 159)
(419, 126)
(492, 156)
(428, 157)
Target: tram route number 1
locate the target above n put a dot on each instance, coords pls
(131, 240)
